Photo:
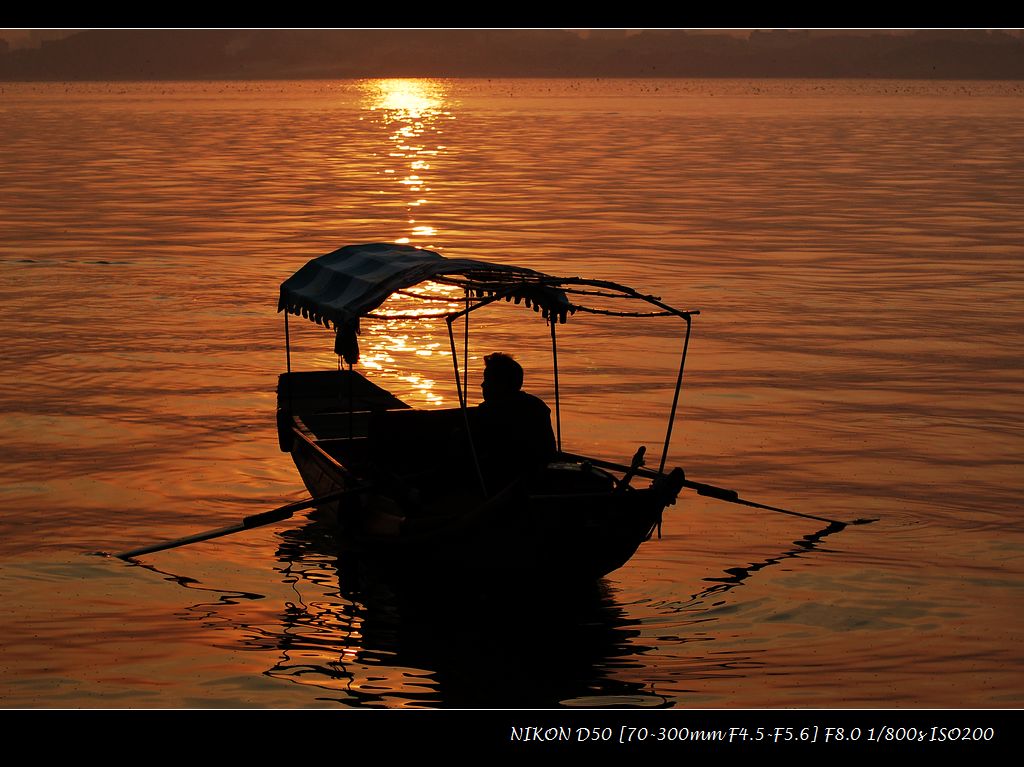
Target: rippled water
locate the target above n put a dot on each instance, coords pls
(855, 251)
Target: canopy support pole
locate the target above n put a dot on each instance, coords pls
(675, 398)
(288, 362)
(558, 406)
(463, 406)
(287, 342)
(465, 352)
(351, 405)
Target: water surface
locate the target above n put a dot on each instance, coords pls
(854, 249)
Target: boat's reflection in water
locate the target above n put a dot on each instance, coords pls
(359, 642)
(470, 645)
(364, 642)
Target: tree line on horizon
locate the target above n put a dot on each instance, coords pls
(164, 54)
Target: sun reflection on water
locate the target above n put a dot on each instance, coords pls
(407, 99)
(413, 111)
(410, 348)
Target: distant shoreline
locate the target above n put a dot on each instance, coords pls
(110, 55)
(330, 78)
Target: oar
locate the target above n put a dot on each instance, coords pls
(733, 497)
(709, 490)
(248, 523)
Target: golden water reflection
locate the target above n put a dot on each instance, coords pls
(406, 341)
(408, 351)
(413, 112)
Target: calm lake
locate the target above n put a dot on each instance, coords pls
(855, 249)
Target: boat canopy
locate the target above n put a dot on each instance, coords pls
(351, 282)
(340, 287)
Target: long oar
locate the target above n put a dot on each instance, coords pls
(733, 497)
(248, 523)
(711, 491)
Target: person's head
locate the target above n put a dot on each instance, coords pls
(503, 376)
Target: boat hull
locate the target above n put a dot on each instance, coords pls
(569, 523)
(516, 535)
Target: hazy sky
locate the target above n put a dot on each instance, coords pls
(269, 52)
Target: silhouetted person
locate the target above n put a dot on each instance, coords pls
(511, 429)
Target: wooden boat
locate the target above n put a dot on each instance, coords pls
(413, 506)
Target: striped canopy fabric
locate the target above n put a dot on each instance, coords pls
(342, 286)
